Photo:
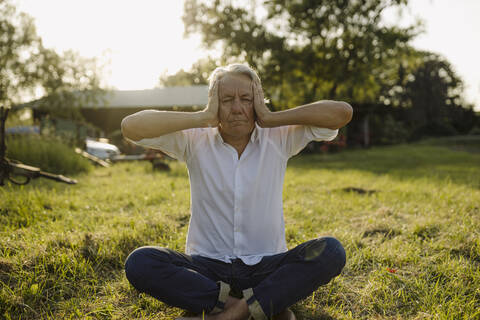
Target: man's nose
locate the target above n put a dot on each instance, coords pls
(237, 105)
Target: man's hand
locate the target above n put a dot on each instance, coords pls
(324, 114)
(211, 111)
(156, 123)
(261, 109)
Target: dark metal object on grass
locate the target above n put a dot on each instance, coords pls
(156, 158)
(17, 172)
(358, 190)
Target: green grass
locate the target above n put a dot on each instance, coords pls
(50, 154)
(62, 247)
(469, 143)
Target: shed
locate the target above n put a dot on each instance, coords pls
(120, 103)
(108, 113)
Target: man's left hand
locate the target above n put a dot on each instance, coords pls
(260, 108)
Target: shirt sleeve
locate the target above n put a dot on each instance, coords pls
(292, 139)
(177, 144)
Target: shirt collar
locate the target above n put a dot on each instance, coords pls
(253, 136)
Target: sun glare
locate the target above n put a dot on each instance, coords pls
(137, 40)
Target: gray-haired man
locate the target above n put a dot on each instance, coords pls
(236, 151)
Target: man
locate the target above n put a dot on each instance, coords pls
(236, 264)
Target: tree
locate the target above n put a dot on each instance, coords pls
(197, 75)
(305, 50)
(433, 93)
(67, 81)
(19, 49)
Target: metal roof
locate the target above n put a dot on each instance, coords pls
(158, 97)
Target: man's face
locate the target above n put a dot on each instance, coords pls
(236, 113)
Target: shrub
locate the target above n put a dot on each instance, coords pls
(475, 131)
(433, 129)
(393, 131)
(48, 153)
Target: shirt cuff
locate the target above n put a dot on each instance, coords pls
(323, 134)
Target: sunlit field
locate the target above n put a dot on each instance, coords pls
(408, 216)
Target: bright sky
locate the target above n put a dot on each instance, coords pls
(452, 30)
(140, 39)
(143, 39)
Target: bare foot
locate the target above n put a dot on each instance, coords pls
(286, 314)
(234, 309)
(230, 301)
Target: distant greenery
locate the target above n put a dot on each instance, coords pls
(197, 75)
(469, 143)
(66, 81)
(48, 153)
(407, 216)
(306, 51)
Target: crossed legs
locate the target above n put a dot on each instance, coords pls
(269, 288)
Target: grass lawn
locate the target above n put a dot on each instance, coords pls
(412, 239)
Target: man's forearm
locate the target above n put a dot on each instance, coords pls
(326, 114)
(154, 123)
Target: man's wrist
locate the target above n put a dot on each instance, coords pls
(207, 119)
(265, 119)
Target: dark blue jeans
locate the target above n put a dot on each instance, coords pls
(193, 282)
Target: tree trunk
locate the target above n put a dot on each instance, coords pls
(333, 91)
(3, 118)
(366, 131)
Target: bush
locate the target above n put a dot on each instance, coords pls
(393, 131)
(48, 153)
(475, 131)
(433, 129)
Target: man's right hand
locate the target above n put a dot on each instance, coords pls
(155, 123)
(211, 111)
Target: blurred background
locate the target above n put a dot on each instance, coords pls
(73, 69)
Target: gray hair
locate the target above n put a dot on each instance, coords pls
(235, 68)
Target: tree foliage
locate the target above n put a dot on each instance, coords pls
(19, 51)
(305, 50)
(66, 80)
(432, 87)
(197, 75)
(426, 85)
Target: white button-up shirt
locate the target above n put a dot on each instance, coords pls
(236, 203)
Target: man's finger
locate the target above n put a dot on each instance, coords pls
(213, 96)
(214, 90)
(257, 97)
(216, 95)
